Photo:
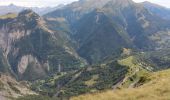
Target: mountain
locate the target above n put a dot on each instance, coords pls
(88, 46)
(109, 26)
(158, 10)
(30, 50)
(16, 9)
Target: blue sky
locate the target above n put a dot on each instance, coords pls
(42, 3)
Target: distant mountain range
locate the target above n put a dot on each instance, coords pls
(16, 9)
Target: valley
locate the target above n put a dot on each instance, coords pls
(86, 50)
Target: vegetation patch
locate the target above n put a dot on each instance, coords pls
(92, 81)
(36, 97)
(157, 89)
(9, 15)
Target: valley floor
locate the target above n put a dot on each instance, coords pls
(157, 89)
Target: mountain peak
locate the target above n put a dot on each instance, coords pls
(29, 18)
(28, 13)
(121, 2)
(11, 4)
(149, 4)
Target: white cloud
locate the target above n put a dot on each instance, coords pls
(42, 3)
(39, 3)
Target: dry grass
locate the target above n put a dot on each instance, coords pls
(9, 15)
(92, 80)
(157, 89)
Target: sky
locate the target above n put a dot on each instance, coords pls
(52, 3)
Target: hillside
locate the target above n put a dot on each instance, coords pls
(156, 89)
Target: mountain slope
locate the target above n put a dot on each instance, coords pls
(100, 40)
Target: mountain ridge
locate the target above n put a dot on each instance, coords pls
(132, 19)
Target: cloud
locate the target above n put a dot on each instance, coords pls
(39, 3)
(42, 3)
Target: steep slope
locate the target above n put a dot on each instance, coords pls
(101, 39)
(32, 50)
(158, 10)
(157, 89)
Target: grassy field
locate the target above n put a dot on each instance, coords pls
(9, 15)
(157, 89)
(136, 75)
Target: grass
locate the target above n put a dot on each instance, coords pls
(136, 75)
(157, 89)
(129, 61)
(1, 86)
(92, 81)
(9, 15)
(36, 97)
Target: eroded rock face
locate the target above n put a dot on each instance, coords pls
(30, 63)
(24, 62)
(8, 37)
(14, 30)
